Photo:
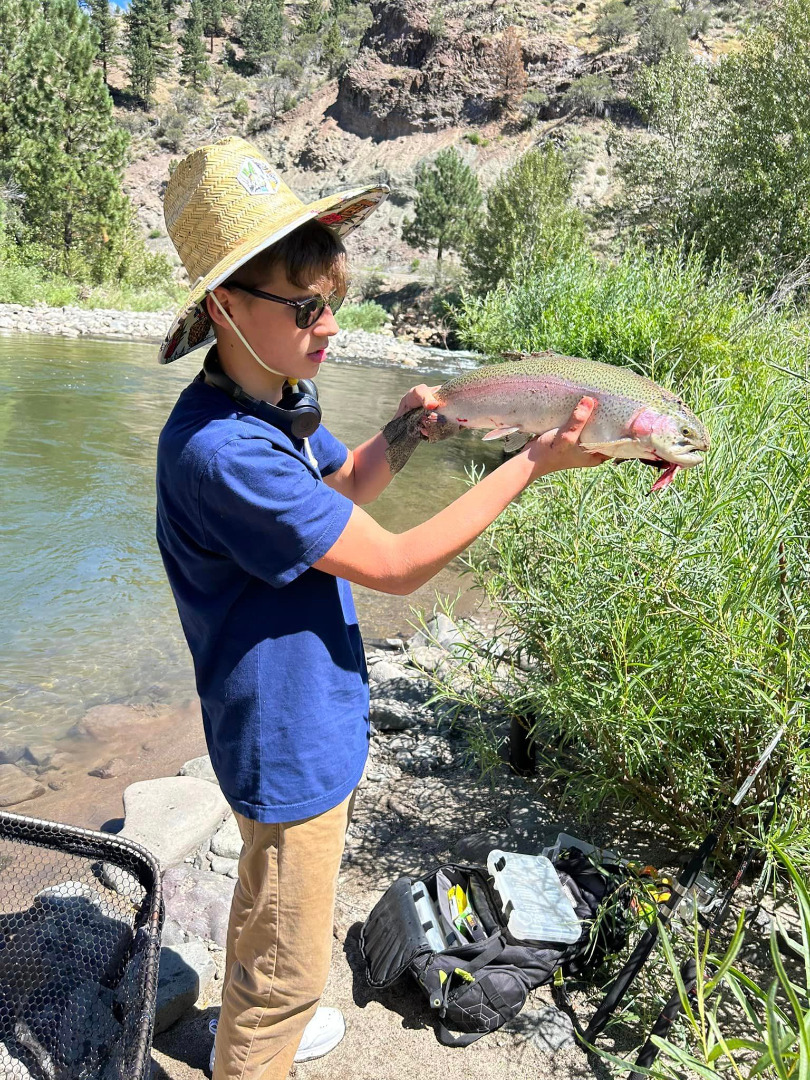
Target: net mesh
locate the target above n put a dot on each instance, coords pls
(80, 921)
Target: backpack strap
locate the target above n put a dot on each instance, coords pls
(447, 1038)
(486, 956)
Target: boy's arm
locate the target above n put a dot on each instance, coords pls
(367, 554)
(365, 473)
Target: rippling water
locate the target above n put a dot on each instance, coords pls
(87, 615)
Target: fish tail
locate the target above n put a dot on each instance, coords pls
(403, 436)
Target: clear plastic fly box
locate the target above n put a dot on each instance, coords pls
(535, 905)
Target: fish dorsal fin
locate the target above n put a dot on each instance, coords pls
(499, 433)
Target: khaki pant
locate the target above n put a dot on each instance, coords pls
(279, 941)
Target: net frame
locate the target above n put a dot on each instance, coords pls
(114, 853)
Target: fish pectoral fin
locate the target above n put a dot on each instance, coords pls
(499, 433)
(513, 443)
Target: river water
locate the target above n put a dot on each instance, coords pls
(87, 615)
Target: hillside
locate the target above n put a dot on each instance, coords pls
(420, 77)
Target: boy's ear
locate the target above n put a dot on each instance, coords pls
(214, 314)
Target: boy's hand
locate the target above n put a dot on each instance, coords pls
(420, 397)
(559, 448)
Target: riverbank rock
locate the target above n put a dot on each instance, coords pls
(16, 787)
(11, 753)
(199, 902)
(186, 971)
(390, 714)
(200, 767)
(109, 721)
(347, 345)
(227, 840)
(172, 816)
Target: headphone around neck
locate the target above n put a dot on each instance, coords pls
(297, 414)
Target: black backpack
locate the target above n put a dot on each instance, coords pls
(478, 986)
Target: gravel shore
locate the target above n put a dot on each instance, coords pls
(151, 326)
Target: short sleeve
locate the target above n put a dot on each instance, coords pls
(330, 453)
(266, 510)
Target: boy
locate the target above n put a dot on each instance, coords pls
(261, 531)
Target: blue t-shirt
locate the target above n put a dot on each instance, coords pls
(242, 515)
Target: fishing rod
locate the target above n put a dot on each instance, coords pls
(689, 973)
(667, 909)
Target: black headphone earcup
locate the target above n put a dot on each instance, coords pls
(304, 412)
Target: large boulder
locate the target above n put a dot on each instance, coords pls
(172, 816)
(185, 974)
(199, 902)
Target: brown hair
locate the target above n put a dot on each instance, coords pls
(312, 256)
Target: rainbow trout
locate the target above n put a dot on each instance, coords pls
(515, 400)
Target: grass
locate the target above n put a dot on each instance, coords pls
(26, 285)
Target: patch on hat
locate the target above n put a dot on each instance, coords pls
(256, 178)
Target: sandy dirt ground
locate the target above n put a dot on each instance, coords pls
(405, 824)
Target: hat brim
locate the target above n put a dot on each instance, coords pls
(191, 328)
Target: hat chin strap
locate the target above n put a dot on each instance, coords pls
(246, 343)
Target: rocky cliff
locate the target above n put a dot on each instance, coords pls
(415, 74)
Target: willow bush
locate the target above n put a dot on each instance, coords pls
(661, 312)
(663, 638)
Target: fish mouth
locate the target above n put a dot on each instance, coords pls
(686, 456)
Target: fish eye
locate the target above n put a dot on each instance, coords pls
(685, 431)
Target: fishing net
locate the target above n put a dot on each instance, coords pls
(80, 921)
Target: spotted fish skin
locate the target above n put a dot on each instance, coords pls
(634, 416)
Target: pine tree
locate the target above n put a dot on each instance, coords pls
(194, 63)
(61, 143)
(16, 18)
(106, 27)
(212, 19)
(148, 46)
(313, 17)
(447, 203)
(333, 53)
(261, 29)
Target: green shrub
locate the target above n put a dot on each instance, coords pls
(20, 284)
(240, 109)
(654, 311)
(590, 94)
(529, 221)
(366, 316)
(665, 637)
(615, 22)
(533, 103)
(26, 285)
(662, 33)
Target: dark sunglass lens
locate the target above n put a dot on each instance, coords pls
(309, 312)
(336, 302)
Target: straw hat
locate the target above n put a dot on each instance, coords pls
(224, 203)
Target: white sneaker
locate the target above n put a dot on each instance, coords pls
(322, 1034)
(212, 1027)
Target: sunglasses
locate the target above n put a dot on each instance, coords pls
(307, 312)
